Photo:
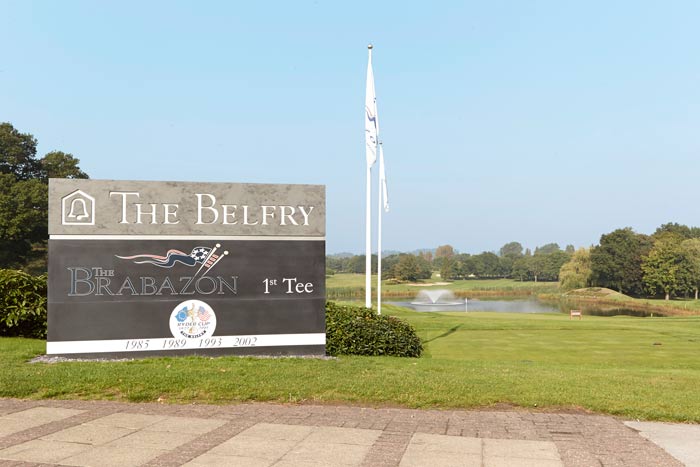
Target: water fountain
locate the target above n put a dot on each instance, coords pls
(438, 300)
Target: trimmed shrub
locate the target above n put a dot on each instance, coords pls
(354, 330)
(22, 304)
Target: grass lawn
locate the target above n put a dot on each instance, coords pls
(647, 368)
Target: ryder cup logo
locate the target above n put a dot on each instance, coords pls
(204, 257)
(192, 319)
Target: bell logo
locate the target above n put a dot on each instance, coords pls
(78, 208)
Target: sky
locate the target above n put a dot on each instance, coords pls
(536, 122)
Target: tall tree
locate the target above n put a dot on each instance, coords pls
(18, 153)
(512, 250)
(505, 266)
(23, 219)
(24, 196)
(547, 249)
(57, 164)
(675, 228)
(411, 268)
(553, 263)
(356, 264)
(448, 270)
(576, 273)
(388, 265)
(466, 266)
(692, 251)
(487, 264)
(444, 251)
(537, 265)
(616, 262)
(521, 268)
(666, 268)
(508, 255)
(546, 262)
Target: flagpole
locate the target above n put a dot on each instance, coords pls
(368, 227)
(368, 250)
(380, 207)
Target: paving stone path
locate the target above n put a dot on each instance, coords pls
(78, 433)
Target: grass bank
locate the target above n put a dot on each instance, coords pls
(645, 368)
(347, 286)
(602, 298)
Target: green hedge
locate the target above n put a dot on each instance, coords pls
(22, 304)
(353, 330)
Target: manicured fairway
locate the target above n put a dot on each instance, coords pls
(647, 368)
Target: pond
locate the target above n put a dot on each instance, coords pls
(531, 305)
(528, 305)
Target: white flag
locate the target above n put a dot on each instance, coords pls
(382, 179)
(371, 120)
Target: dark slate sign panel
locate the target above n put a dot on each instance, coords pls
(162, 294)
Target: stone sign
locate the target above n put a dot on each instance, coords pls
(174, 268)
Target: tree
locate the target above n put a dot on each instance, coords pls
(18, 153)
(667, 268)
(552, 264)
(411, 268)
(448, 270)
(576, 273)
(505, 266)
(23, 219)
(616, 262)
(675, 228)
(486, 264)
(536, 265)
(546, 262)
(443, 254)
(547, 249)
(388, 265)
(544, 265)
(521, 268)
(24, 196)
(357, 265)
(465, 266)
(508, 255)
(335, 264)
(57, 164)
(511, 250)
(444, 251)
(691, 248)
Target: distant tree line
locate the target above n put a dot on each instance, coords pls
(665, 264)
(512, 261)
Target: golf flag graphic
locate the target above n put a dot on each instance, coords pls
(371, 120)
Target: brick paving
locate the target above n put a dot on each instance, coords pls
(360, 436)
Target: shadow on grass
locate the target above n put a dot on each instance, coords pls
(444, 334)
